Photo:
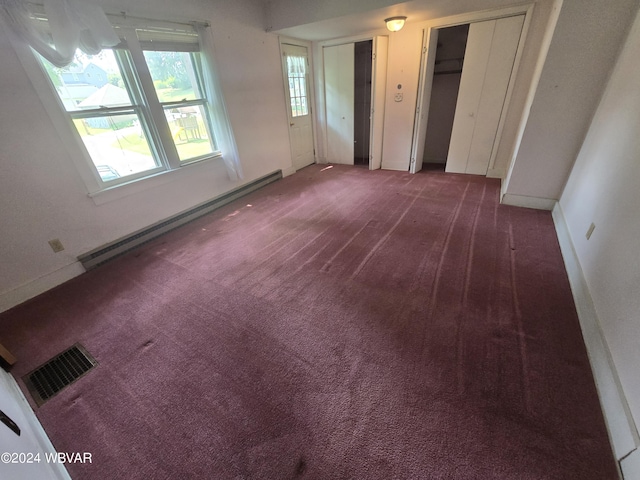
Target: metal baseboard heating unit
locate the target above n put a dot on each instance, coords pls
(58, 373)
(107, 252)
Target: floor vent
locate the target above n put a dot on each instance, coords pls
(61, 371)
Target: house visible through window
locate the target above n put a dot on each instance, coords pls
(113, 127)
(115, 98)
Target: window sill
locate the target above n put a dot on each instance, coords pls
(116, 192)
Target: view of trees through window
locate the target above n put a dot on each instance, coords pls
(179, 90)
(114, 126)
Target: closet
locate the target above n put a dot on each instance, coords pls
(489, 58)
(342, 109)
(491, 50)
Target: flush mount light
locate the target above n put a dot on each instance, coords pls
(395, 23)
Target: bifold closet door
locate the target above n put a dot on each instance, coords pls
(488, 63)
(339, 67)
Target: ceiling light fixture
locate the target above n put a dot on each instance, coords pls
(395, 23)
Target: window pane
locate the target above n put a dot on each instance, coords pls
(173, 76)
(91, 81)
(296, 70)
(117, 144)
(189, 131)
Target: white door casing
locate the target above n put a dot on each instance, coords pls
(378, 94)
(295, 65)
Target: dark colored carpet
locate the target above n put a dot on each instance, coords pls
(339, 324)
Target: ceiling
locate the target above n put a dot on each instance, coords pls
(358, 23)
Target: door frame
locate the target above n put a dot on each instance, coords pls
(420, 125)
(283, 40)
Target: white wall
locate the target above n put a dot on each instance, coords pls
(41, 193)
(403, 69)
(585, 44)
(604, 189)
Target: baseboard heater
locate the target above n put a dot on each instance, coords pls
(107, 252)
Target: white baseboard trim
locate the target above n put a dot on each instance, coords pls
(630, 465)
(495, 173)
(40, 285)
(396, 166)
(622, 429)
(288, 171)
(528, 202)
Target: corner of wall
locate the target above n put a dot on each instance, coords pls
(630, 465)
(620, 425)
(528, 202)
(288, 171)
(26, 291)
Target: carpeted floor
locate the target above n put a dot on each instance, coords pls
(338, 324)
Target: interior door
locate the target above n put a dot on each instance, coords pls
(429, 47)
(488, 63)
(339, 83)
(295, 62)
(378, 94)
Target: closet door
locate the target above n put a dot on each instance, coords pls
(427, 66)
(488, 63)
(339, 66)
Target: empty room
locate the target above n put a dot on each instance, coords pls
(273, 239)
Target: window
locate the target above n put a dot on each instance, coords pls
(111, 118)
(148, 113)
(296, 69)
(179, 89)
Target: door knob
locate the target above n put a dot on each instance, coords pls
(291, 124)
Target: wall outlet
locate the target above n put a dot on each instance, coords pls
(56, 245)
(592, 227)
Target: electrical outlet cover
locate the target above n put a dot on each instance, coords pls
(56, 245)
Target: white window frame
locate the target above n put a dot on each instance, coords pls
(159, 135)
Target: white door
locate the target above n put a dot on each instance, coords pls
(429, 47)
(339, 67)
(295, 62)
(488, 63)
(378, 94)
(29, 452)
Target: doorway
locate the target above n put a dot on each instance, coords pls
(451, 46)
(488, 66)
(295, 65)
(363, 52)
(354, 89)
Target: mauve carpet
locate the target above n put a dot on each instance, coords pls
(338, 324)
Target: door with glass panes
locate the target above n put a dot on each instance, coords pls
(296, 74)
